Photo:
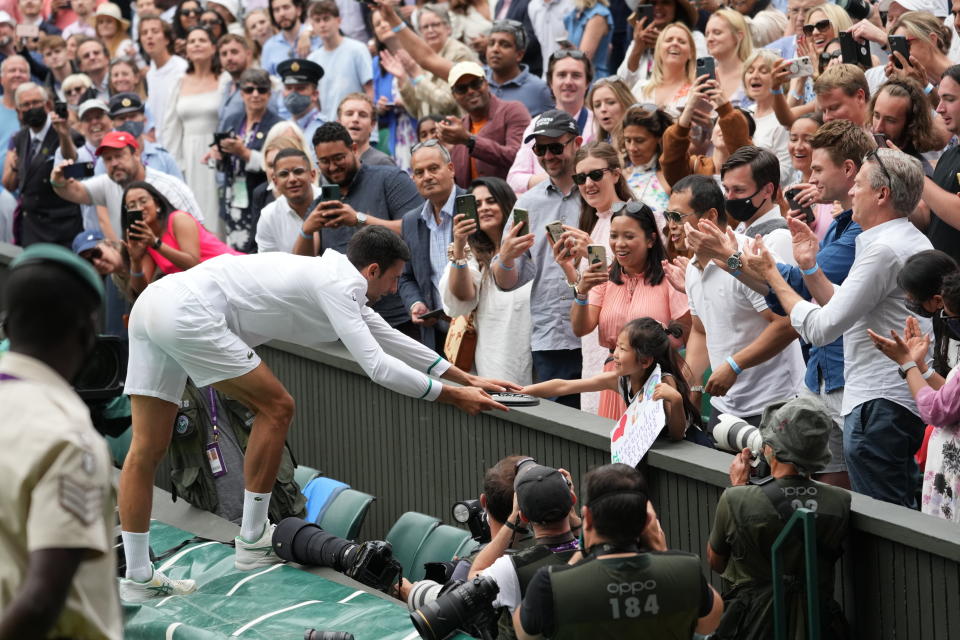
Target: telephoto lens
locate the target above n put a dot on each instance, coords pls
(297, 540)
(313, 634)
(735, 435)
(467, 606)
(423, 592)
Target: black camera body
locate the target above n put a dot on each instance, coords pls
(305, 543)
(470, 513)
(101, 380)
(219, 137)
(467, 606)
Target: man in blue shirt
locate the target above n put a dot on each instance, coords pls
(287, 17)
(348, 60)
(508, 79)
(300, 95)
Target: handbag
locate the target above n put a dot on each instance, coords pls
(461, 344)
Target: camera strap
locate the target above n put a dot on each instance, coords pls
(772, 490)
(7, 376)
(218, 466)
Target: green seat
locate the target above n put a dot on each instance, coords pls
(706, 409)
(440, 546)
(469, 546)
(407, 535)
(303, 474)
(346, 513)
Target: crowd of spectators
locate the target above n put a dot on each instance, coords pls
(760, 198)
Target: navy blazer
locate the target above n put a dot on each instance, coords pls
(233, 122)
(415, 283)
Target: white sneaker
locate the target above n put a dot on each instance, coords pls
(157, 586)
(259, 553)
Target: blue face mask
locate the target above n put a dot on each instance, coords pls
(297, 103)
(132, 127)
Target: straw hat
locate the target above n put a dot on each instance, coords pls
(112, 11)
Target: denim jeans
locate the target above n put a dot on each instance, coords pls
(879, 440)
(566, 364)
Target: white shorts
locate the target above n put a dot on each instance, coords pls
(174, 335)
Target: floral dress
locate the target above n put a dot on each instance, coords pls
(941, 476)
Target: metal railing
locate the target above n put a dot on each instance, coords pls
(806, 520)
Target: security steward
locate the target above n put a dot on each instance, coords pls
(619, 589)
(750, 516)
(57, 563)
(301, 96)
(543, 498)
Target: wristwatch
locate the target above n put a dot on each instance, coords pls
(361, 219)
(906, 366)
(472, 140)
(156, 245)
(734, 263)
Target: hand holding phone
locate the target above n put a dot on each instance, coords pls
(466, 204)
(899, 44)
(521, 219)
(430, 315)
(791, 195)
(707, 66)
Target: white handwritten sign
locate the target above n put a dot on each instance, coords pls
(639, 426)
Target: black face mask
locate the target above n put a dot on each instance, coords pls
(742, 209)
(35, 117)
(953, 324)
(917, 309)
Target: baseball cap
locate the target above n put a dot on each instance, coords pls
(938, 9)
(117, 140)
(126, 102)
(798, 432)
(5, 18)
(462, 69)
(44, 252)
(89, 105)
(233, 6)
(86, 240)
(543, 494)
(553, 124)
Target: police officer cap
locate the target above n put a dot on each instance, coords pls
(43, 252)
(543, 494)
(126, 102)
(798, 432)
(300, 71)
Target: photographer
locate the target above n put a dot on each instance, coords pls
(544, 498)
(750, 516)
(655, 594)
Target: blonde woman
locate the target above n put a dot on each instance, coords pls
(758, 83)
(730, 43)
(609, 99)
(114, 30)
(75, 89)
(821, 25)
(674, 64)
(590, 28)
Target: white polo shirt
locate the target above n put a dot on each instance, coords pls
(312, 301)
(730, 313)
(279, 226)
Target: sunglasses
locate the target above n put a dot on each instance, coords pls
(873, 155)
(633, 208)
(191, 12)
(576, 54)
(646, 106)
(261, 90)
(556, 148)
(596, 175)
(432, 142)
(283, 174)
(461, 89)
(210, 23)
(675, 216)
(820, 26)
(825, 57)
(75, 91)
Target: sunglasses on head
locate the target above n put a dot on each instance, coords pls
(261, 90)
(556, 148)
(476, 85)
(820, 26)
(560, 54)
(596, 175)
(630, 207)
(825, 57)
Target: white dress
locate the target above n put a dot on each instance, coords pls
(187, 134)
(502, 321)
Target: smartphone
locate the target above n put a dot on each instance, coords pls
(521, 218)
(429, 315)
(564, 43)
(881, 140)
(807, 211)
(329, 192)
(129, 217)
(60, 108)
(596, 253)
(78, 170)
(899, 44)
(644, 11)
(27, 31)
(854, 52)
(467, 205)
(707, 66)
(801, 67)
(555, 230)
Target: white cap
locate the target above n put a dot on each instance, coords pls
(92, 103)
(937, 8)
(233, 6)
(5, 17)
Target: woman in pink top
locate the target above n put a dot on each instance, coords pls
(633, 287)
(162, 238)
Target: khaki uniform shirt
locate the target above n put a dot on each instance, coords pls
(56, 494)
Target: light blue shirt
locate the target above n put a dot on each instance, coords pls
(310, 123)
(277, 49)
(576, 23)
(346, 70)
(440, 236)
(526, 88)
(9, 125)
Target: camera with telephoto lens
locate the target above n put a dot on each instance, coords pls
(470, 513)
(734, 435)
(467, 606)
(313, 634)
(305, 543)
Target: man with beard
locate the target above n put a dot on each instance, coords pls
(44, 215)
(121, 157)
(369, 196)
(287, 17)
(127, 112)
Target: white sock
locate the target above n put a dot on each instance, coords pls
(136, 548)
(255, 507)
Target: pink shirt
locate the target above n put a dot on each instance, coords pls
(210, 245)
(940, 408)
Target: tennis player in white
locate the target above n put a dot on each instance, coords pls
(204, 322)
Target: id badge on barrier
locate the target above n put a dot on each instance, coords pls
(217, 466)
